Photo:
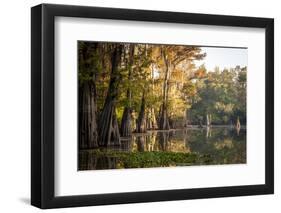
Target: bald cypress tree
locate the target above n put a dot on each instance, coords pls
(88, 136)
(172, 56)
(108, 125)
(126, 123)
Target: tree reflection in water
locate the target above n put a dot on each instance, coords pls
(220, 145)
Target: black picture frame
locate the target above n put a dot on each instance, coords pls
(43, 102)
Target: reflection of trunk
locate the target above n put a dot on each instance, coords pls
(208, 132)
(141, 143)
(163, 141)
(164, 122)
(126, 145)
(126, 126)
(186, 140)
(231, 125)
(105, 162)
(87, 116)
(238, 126)
(151, 142)
(87, 161)
(108, 125)
(200, 124)
(185, 123)
(141, 122)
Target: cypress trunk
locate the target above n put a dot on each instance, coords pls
(151, 119)
(163, 141)
(88, 135)
(108, 125)
(141, 122)
(164, 121)
(141, 142)
(87, 130)
(207, 120)
(126, 123)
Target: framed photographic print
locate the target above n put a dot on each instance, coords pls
(139, 106)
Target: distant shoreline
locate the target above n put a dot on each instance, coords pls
(214, 126)
(190, 127)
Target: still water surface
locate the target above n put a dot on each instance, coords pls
(213, 145)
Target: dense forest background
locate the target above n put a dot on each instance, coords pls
(133, 88)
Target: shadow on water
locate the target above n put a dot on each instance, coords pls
(220, 145)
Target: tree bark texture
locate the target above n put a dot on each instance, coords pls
(108, 125)
(126, 123)
(208, 119)
(141, 123)
(164, 121)
(88, 136)
(151, 119)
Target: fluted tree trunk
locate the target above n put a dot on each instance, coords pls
(126, 123)
(141, 122)
(151, 119)
(88, 136)
(87, 128)
(108, 125)
(164, 118)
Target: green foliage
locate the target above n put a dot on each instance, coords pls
(153, 159)
(89, 61)
(221, 94)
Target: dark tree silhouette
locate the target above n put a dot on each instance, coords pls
(108, 125)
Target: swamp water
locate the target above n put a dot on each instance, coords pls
(180, 147)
